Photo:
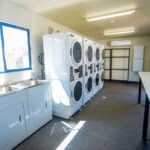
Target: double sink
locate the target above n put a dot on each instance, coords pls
(4, 90)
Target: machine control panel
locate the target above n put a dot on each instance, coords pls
(86, 73)
(71, 74)
(97, 67)
(80, 71)
(90, 68)
(94, 68)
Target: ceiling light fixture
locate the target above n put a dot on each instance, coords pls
(121, 32)
(111, 16)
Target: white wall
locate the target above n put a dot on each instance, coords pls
(139, 40)
(38, 25)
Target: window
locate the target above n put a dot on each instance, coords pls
(1, 57)
(14, 48)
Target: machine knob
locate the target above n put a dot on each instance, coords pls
(90, 67)
(76, 70)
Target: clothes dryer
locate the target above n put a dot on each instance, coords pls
(96, 72)
(102, 55)
(63, 55)
(88, 70)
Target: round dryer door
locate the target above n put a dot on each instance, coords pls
(89, 53)
(97, 54)
(97, 79)
(77, 52)
(78, 91)
(89, 84)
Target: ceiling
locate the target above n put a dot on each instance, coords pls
(72, 13)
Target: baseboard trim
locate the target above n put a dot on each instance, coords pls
(122, 81)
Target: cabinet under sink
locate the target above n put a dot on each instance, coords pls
(22, 113)
(39, 105)
(14, 119)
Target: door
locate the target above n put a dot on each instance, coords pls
(97, 54)
(39, 105)
(97, 80)
(76, 55)
(89, 85)
(12, 125)
(77, 91)
(89, 54)
(117, 64)
(76, 52)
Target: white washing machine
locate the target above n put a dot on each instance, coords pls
(88, 70)
(63, 58)
(102, 54)
(96, 72)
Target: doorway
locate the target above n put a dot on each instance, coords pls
(116, 66)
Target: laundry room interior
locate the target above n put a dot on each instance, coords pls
(74, 74)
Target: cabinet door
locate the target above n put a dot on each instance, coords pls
(12, 125)
(39, 105)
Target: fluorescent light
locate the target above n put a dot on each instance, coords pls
(112, 16)
(121, 32)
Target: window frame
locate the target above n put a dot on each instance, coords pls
(3, 48)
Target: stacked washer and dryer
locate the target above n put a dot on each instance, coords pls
(74, 66)
(63, 57)
(88, 70)
(102, 54)
(97, 70)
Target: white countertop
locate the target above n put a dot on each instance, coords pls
(145, 78)
(9, 89)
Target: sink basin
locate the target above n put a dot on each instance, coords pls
(19, 86)
(29, 83)
(7, 89)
